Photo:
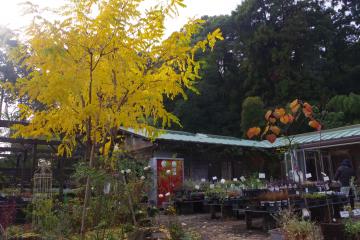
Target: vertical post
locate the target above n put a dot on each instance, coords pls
(34, 163)
(23, 171)
(18, 156)
(61, 178)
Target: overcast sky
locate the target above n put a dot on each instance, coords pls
(11, 12)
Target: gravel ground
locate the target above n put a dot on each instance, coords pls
(213, 229)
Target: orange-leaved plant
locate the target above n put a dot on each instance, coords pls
(279, 119)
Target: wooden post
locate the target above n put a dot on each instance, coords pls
(61, 178)
(23, 171)
(18, 156)
(34, 163)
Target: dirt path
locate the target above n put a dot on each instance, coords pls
(211, 229)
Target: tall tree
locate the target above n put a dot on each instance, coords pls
(278, 50)
(283, 46)
(216, 108)
(252, 113)
(104, 65)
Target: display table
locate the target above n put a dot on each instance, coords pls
(227, 207)
(319, 209)
(189, 206)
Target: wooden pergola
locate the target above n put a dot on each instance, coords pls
(25, 150)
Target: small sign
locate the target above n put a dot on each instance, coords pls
(324, 174)
(242, 178)
(308, 175)
(261, 175)
(235, 179)
(344, 214)
(212, 186)
(203, 180)
(297, 193)
(306, 190)
(326, 178)
(197, 187)
(356, 212)
(214, 178)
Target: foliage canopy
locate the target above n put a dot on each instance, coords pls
(104, 65)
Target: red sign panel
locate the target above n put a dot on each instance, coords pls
(170, 174)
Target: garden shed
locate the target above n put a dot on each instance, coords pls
(226, 157)
(322, 152)
(205, 156)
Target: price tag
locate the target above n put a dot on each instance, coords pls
(326, 178)
(214, 178)
(261, 175)
(242, 178)
(308, 175)
(344, 214)
(356, 212)
(235, 179)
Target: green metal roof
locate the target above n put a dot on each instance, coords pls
(321, 137)
(181, 136)
(324, 136)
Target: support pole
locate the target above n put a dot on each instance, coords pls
(61, 178)
(34, 163)
(23, 171)
(18, 156)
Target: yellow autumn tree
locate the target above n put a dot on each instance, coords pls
(103, 65)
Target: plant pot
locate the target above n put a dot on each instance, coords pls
(276, 234)
(333, 231)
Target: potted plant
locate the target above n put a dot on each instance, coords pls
(352, 229)
(294, 228)
(333, 230)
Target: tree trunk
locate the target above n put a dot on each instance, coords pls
(87, 192)
(1, 102)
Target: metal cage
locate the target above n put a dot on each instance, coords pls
(42, 188)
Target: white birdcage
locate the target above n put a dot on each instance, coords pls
(42, 187)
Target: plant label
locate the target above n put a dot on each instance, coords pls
(214, 178)
(297, 193)
(306, 190)
(235, 179)
(356, 212)
(261, 175)
(308, 175)
(197, 187)
(242, 178)
(277, 189)
(203, 180)
(212, 186)
(344, 214)
(326, 178)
